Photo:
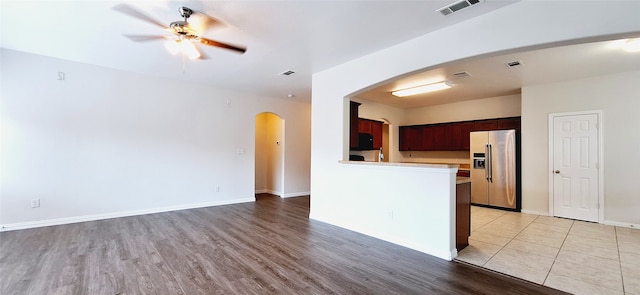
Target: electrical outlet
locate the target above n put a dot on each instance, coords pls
(218, 189)
(35, 203)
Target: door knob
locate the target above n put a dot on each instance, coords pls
(556, 172)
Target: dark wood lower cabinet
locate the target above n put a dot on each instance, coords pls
(463, 215)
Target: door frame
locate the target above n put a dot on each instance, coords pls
(600, 162)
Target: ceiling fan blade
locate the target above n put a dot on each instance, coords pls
(206, 22)
(135, 13)
(210, 42)
(145, 38)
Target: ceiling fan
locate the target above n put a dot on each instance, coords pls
(184, 34)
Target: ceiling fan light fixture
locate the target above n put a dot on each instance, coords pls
(185, 47)
(422, 89)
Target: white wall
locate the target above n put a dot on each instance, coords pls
(515, 26)
(106, 143)
(617, 96)
(478, 109)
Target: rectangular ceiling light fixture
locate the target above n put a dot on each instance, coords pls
(422, 89)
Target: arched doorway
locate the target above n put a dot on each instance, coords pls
(269, 158)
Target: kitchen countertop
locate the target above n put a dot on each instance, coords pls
(461, 180)
(403, 164)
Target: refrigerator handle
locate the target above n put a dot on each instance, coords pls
(486, 161)
(489, 161)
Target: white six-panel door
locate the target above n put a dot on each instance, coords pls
(574, 166)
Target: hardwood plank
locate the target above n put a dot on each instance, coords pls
(266, 247)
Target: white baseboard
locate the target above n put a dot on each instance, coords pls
(76, 219)
(298, 194)
(622, 224)
(268, 191)
(542, 213)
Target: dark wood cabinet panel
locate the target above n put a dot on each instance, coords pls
(463, 215)
(485, 125)
(376, 130)
(364, 126)
(454, 136)
(427, 141)
(410, 138)
(440, 136)
(465, 130)
(509, 123)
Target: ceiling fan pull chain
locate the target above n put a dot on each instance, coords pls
(184, 64)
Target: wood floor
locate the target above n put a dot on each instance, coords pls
(266, 247)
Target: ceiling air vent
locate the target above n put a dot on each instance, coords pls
(462, 75)
(287, 73)
(459, 5)
(514, 64)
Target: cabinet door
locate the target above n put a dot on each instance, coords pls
(428, 140)
(376, 130)
(364, 126)
(440, 137)
(410, 138)
(485, 125)
(509, 123)
(454, 136)
(465, 135)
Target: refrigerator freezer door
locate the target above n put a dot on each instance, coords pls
(502, 167)
(479, 184)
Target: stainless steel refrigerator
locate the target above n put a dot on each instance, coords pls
(494, 171)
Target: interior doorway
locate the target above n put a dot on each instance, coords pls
(269, 156)
(575, 178)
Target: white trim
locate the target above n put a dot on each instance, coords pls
(262, 191)
(622, 224)
(535, 212)
(76, 219)
(271, 192)
(600, 161)
(297, 194)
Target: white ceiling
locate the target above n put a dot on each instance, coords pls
(302, 36)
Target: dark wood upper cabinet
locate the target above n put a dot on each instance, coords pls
(485, 125)
(465, 130)
(454, 136)
(509, 123)
(427, 142)
(353, 125)
(372, 127)
(440, 137)
(376, 130)
(410, 138)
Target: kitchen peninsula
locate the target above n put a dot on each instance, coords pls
(410, 204)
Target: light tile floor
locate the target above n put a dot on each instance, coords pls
(570, 255)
